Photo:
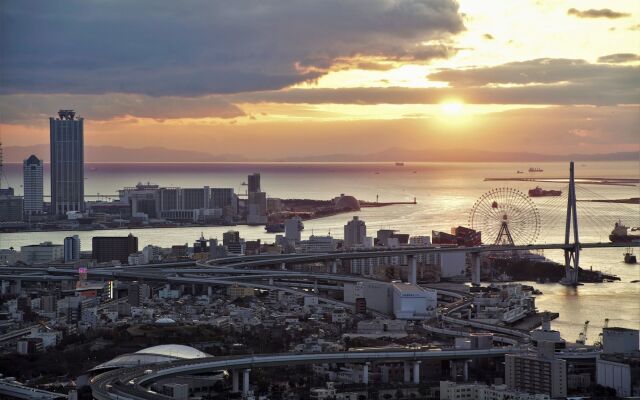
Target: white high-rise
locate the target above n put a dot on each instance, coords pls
(32, 183)
(355, 233)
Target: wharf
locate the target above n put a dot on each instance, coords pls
(533, 321)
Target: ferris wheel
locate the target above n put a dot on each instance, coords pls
(505, 216)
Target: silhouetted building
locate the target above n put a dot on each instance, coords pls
(11, 208)
(67, 163)
(33, 186)
(110, 248)
(254, 183)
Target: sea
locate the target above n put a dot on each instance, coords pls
(445, 195)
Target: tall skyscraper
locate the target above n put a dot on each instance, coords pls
(355, 233)
(67, 163)
(257, 208)
(254, 183)
(32, 176)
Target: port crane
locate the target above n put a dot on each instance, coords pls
(598, 343)
(582, 337)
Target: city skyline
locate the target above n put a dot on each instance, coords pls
(447, 74)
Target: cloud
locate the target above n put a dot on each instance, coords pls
(165, 48)
(538, 71)
(593, 13)
(540, 81)
(34, 108)
(619, 58)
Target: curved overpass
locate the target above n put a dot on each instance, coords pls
(132, 383)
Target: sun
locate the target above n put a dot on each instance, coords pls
(452, 107)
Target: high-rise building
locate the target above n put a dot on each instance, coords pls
(355, 233)
(292, 228)
(225, 199)
(539, 372)
(32, 182)
(254, 182)
(257, 208)
(71, 248)
(112, 248)
(67, 163)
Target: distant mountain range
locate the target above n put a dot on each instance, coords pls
(117, 154)
(462, 155)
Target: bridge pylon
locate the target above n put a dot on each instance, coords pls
(571, 253)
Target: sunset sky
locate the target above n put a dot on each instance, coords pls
(270, 78)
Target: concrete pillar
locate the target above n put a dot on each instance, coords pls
(365, 373)
(454, 370)
(283, 266)
(235, 386)
(271, 281)
(416, 372)
(315, 286)
(3, 287)
(334, 266)
(18, 286)
(385, 373)
(466, 371)
(475, 269)
(407, 372)
(413, 269)
(209, 291)
(245, 382)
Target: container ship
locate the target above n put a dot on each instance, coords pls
(539, 192)
(535, 169)
(620, 234)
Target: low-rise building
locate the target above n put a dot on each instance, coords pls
(480, 391)
(41, 253)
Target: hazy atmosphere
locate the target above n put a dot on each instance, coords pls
(269, 81)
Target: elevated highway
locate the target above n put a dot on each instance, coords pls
(134, 383)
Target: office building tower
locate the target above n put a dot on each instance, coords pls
(67, 163)
(32, 182)
(355, 233)
(71, 248)
(224, 199)
(257, 208)
(114, 248)
(254, 183)
(292, 227)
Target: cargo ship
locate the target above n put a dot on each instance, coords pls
(534, 169)
(620, 234)
(539, 192)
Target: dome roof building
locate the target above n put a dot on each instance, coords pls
(152, 355)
